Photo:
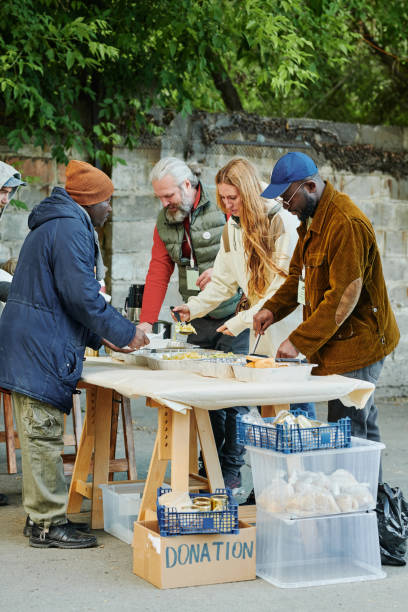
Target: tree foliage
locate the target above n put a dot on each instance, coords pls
(87, 74)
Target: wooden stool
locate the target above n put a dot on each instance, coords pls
(72, 439)
(128, 464)
(10, 436)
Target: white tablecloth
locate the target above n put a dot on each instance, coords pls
(181, 390)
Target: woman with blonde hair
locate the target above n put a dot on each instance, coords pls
(255, 251)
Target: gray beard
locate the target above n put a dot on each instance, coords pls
(182, 212)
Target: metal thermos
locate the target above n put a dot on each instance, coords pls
(133, 302)
(133, 309)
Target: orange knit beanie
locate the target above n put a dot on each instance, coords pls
(86, 184)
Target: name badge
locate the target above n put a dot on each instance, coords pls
(301, 292)
(192, 277)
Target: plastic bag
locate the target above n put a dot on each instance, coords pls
(392, 517)
(254, 418)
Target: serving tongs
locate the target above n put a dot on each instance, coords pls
(277, 359)
(182, 323)
(252, 353)
(257, 339)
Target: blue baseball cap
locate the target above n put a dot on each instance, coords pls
(288, 169)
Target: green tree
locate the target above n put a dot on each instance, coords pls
(87, 74)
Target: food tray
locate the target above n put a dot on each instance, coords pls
(139, 357)
(290, 372)
(172, 523)
(136, 358)
(293, 439)
(204, 364)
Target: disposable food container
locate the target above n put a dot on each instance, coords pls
(160, 346)
(290, 372)
(316, 551)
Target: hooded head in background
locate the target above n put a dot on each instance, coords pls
(10, 179)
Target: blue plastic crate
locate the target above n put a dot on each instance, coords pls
(293, 439)
(172, 523)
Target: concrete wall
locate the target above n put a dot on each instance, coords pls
(370, 163)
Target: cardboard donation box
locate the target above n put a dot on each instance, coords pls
(192, 560)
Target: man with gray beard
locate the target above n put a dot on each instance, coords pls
(188, 233)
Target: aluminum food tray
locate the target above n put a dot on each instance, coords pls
(205, 365)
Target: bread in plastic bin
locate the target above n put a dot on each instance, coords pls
(315, 501)
(346, 503)
(275, 496)
(361, 494)
(340, 480)
(302, 480)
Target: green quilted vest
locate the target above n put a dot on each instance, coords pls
(207, 223)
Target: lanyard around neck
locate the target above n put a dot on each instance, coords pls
(192, 263)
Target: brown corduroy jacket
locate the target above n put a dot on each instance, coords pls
(348, 322)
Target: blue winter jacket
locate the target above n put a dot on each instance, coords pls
(54, 308)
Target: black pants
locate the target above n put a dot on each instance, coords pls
(230, 453)
(4, 290)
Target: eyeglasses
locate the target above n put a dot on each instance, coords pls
(287, 202)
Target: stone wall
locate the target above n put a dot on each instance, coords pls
(370, 163)
(43, 173)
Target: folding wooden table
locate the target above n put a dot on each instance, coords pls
(178, 428)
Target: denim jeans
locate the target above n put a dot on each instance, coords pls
(363, 421)
(223, 421)
(308, 407)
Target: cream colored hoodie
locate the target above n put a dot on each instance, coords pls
(230, 272)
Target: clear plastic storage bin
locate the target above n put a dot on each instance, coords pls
(317, 551)
(121, 503)
(282, 482)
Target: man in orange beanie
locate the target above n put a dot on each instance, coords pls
(53, 312)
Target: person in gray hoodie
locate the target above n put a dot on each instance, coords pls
(10, 181)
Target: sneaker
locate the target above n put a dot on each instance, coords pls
(201, 468)
(232, 482)
(84, 527)
(202, 472)
(60, 536)
(3, 499)
(250, 500)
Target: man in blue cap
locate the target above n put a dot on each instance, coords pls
(336, 274)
